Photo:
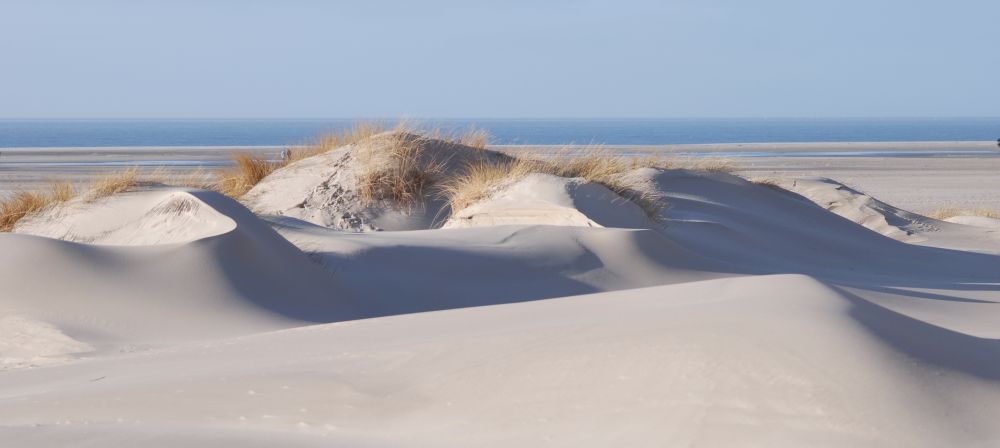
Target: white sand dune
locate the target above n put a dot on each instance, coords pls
(860, 208)
(723, 362)
(324, 189)
(160, 217)
(552, 313)
(552, 200)
(894, 222)
(976, 221)
(235, 275)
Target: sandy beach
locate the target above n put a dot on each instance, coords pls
(652, 305)
(932, 175)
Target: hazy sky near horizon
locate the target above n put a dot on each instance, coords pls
(488, 59)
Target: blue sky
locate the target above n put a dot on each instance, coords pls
(442, 58)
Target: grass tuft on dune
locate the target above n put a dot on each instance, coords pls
(483, 177)
(950, 212)
(396, 167)
(24, 203)
(113, 183)
(246, 172)
(358, 132)
(480, 180)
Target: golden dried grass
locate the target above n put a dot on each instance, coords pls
(396, 167)
(247, 171)
(609, 170)
(479, 180)
(951, 212)
(472, 137)
(24, 203)
(765, 182)
(113, 183)
(358, 132)
(197, 178)
(703, 163)
(399, 172)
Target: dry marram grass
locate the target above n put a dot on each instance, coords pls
(327, 142)
(481, 179)
(396, 167)
(246, 172)
(596, 165)
(476, 138)
(400, 174)
(766, 182)
(24, 203)
(361, 131)
(198, 178)
(945, 213)
(472, 137)
(709, 164)
(114, 183)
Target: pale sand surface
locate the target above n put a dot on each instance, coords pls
(913, 183)
(918, 184)
(551, 313)
(34, 168)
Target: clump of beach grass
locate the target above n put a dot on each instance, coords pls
(609, 170)
(472, 137)
(478, 180)
(951, 212)
(766, 182)
(363, 130)
(397, 167)
(705, 163)
(327, 142)
(21, 204)
(113, 183)
(476, 138)
(198, 178)
(247, 171)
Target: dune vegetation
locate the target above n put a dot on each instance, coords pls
(399, 163)
(480, 179)
(396, 167)
(24, 203)
(951, 212)
(247, 171)
(113, 183)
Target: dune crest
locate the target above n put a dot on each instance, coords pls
(167, 216)
(329, 189)
(552, 200)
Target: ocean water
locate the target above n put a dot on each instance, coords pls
(110, 133)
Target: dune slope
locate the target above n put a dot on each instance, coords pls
(327, 189)
(723, 362)
(236, 276)
(552, 315)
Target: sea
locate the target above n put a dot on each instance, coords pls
(281, 132)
